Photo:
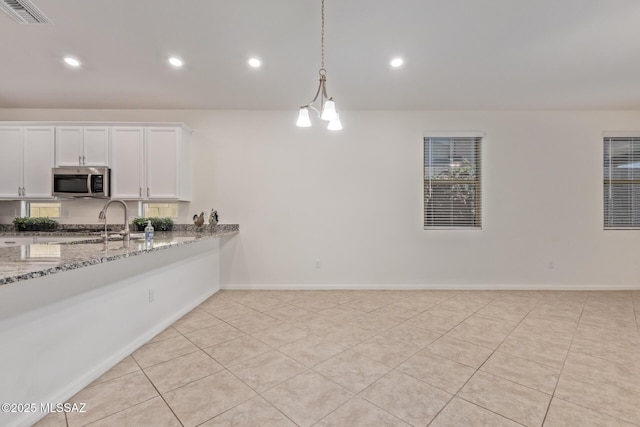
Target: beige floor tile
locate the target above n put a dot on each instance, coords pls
(254, 323)
(522, 371)
(551, 312)
(214, 335)
(202, 400)
(450, 313)
(352, 370)
(374, 323)
(265, 304)
(506, 398)
(127, 366)
(346, 336)
(538, 333)
(109, 397)
(367, 304)
(267, 370)
(255, 412)
(357, 412)
(412, 335)
(564, 327)
(195, 320)
(394, 313)
(228, 310)
(340, 314)
(565, 414)
(280, 334)
(628, 323)
(417, 304)
(536, 351)
(463, 304)
(154, 412)
(54, 419)
(479, 335)
(627, 375)
(460, 351)
(182, 370)
(237, 350)
(616, 401)
(158, 352)
(317, 304)
(500, 312)
(387, 351)
(613, 350)
(428, 321)
(289, 313)
(437, 371)
(314, 323)
(311, 350)
(308, 397)
(460, 413)
(407, 398)
(166, 334)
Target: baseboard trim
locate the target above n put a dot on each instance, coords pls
(440, 287)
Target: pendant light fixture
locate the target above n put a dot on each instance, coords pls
(327, 108)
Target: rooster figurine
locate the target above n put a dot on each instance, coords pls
(198, 220)
(213, 218)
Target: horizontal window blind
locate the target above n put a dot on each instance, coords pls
(452, 186)
(621, 166)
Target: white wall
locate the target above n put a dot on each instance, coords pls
(353, 199)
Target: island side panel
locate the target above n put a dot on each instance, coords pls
(49, 352)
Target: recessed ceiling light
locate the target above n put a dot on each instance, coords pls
(71, 61)
(397, 62)
(255, 62)
(176, 62)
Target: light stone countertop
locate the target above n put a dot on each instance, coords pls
(24, 262)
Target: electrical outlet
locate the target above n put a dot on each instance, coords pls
(317, 262)
(152, 295)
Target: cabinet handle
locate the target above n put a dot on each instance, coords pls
(19, 191)
(80, 160)
(147, 191)
(84, 161)
(140, 191)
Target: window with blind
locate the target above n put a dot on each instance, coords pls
(452, 182)
(621, 182)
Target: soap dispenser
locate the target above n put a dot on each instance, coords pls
(148, 232)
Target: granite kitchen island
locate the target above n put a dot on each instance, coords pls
(70, 311)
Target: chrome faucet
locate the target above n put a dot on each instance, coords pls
(103, 215)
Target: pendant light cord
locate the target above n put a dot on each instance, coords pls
(322, 39)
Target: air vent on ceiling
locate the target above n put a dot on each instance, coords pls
(24, 12)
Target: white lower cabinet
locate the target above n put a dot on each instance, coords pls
(26, 160)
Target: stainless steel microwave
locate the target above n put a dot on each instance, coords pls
(80, 181)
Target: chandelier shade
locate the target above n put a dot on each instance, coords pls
(321, 104)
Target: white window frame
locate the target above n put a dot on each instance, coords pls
(450, 135)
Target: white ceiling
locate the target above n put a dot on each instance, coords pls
(459, 54)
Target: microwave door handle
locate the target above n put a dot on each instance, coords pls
(89, 189)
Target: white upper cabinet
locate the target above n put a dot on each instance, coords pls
(11, 162)
(127, 168)
(168, 170)
(26, 160)
(82, 146)
(151, 163)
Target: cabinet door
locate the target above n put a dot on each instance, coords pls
(162, 163)
(127, 147)
(96, 146)
(38, 161)
(69, 146)
(10, 162)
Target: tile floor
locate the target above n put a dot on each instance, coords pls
(381, 358)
